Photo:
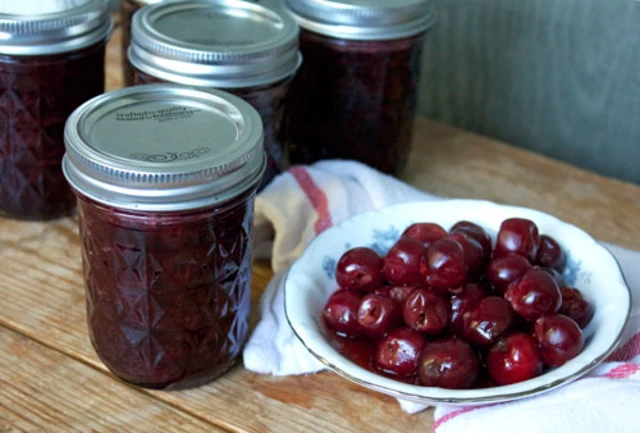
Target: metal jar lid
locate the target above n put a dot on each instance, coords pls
(163, 147)
(364, 19)
(214, 43)
(37, 27)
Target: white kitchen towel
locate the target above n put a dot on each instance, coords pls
(301, 203)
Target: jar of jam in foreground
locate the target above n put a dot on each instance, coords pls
(240, 47)
(165, 178)
(354, 96)
(51, 61)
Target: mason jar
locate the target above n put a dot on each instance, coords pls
(51, 61)
(354, 96)
(165, 178)
(243, 48)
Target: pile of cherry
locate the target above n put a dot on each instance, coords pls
(444, 309)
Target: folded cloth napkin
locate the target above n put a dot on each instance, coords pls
(301, 203)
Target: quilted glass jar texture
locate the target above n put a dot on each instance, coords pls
(167, 294)
(51, 61)
(165, 178)
(37, 94)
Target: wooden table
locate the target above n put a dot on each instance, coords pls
(51, 379)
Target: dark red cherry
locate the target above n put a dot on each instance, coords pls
(378, 315)
(401, 293)
(341, 313)
(463, 301)
(449, 363)
(518, 236)
(550, 254)
(360, 269)
(473, 253)
(514, 358)
(444, 265)
(402, 262)
(426, 312)
(490, 318)
(575, 306)
(505, 270)
(427, 233)
(476, 232)
(534, 295)
(559, 338)
(397, 353)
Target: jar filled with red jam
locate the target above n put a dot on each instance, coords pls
(165, 178)
(243, 48)
(354, 96)
(51, 61)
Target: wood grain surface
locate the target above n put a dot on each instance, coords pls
(46, 303)
(42, 305)
(556, 76)
(42, 390)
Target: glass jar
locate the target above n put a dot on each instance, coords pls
(165, 178)
(243, 48)
(354, 96)
(51, 61)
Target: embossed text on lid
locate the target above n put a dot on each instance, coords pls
(163, 147)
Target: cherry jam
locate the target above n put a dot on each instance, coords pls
(354, 96)
(354, 100)
(51, 61)
(38, 94)
(168, 294)
(165, 178)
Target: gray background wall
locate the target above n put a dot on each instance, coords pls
(560, 77)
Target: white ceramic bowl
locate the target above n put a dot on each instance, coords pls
(590, 267)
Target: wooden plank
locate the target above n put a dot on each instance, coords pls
(46, 303)
(42, 390)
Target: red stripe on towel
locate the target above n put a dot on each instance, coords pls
(627, 351)
(316, 196)
(456, 413)
(623, 371)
